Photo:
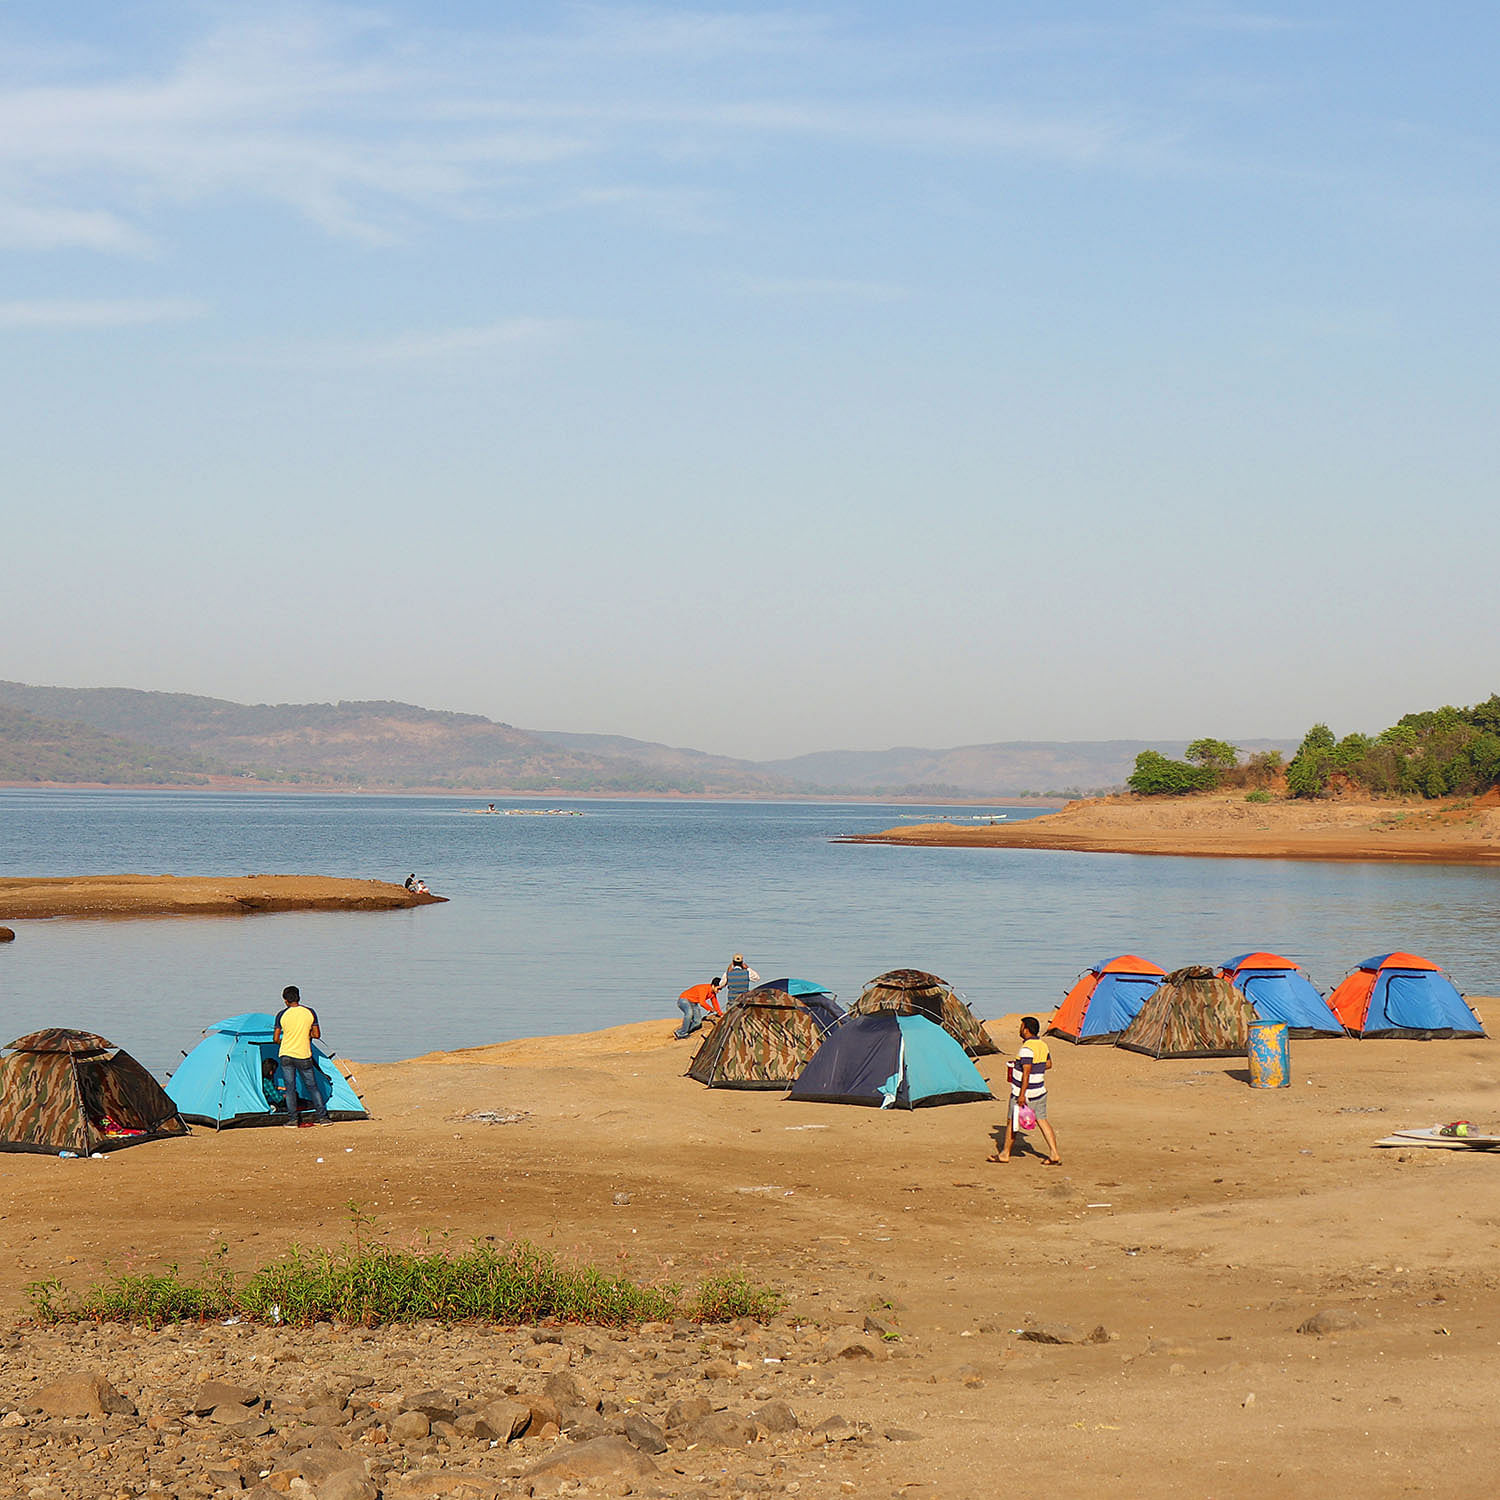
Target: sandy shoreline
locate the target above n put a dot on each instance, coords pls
(25, 898)
(1199, 1221)
(1224, 825)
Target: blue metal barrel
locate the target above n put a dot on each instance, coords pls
(1270, 1055)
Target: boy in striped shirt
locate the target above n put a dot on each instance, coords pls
(1028, 1088)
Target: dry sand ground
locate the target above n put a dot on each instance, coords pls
(1199, 1221)
(1463, 831)
(197, 895)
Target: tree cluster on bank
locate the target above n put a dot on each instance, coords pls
(1442, 752)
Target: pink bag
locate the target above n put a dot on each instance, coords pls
(1026, 1118)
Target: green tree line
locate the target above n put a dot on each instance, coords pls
(1442, 752)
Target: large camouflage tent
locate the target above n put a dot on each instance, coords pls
(1192, 1013)
(763, 1041)
(66, 1090)
(910, 992)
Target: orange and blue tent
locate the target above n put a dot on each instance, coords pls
(1106, 999)
(1280, 991)
(1402, 995)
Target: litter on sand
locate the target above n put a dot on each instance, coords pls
(491, 1117)
(1459, 1135)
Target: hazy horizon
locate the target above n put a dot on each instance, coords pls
(756, 379)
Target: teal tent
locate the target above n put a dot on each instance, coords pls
(225, 1079)
(891, 1062)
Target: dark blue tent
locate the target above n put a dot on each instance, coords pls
(891, 1062)
(1280, 991)
(823, 1003)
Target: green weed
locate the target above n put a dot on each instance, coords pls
(373, 1284)
(730, 1295)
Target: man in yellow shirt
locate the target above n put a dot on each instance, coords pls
(296, 1028)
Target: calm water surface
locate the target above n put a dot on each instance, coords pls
(560, 924)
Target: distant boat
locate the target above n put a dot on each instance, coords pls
(527, 812)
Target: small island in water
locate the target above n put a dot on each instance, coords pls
(197, 895)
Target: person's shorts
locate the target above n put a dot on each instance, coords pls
(1038, 1108)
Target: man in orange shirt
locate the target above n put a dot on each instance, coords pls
(296, 1029)
(695, 1004)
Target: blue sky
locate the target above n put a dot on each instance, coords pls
(755, 378)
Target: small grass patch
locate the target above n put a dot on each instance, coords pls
(731, 1295)
(1260, 794)
(378, 1284)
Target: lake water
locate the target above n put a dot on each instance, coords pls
(561, 924)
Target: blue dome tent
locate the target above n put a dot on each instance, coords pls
(890, 1061)
(1403, 995)
(1280, 991)
(1106, 999)
(820, 1000)
(222, 1082)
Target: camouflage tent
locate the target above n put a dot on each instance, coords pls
(1192, 1013)
(72, 1091)
(762, 1042)
(910, 992)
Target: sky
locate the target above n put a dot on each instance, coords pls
(758, 378)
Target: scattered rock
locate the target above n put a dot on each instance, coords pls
(776, 1417)
(643, 1433)
(688, 1409)
(1064, 1333)
(436, 1406)
(213, 1394)
(351, 1483)
(902, 1435)
(566, 1389)
(1330, 1320)
(544, 1411)
(882, 1328)
(600, 1458)
(836, 1428)
(7, 935)
(719, 1429)
(850, 1345)
(507, 1420)
(409, 1426)
(84, 1394)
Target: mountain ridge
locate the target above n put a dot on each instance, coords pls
(388, 745)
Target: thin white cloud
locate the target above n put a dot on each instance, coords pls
(369, 129)
(39, 225)
(120, 313)
(510, 335)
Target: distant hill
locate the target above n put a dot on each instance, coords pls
(40, 749)
(179, 736)
(392, 745)
(1009, 769)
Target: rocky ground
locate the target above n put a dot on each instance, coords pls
(473, 1413)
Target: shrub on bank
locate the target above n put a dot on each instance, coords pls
(376, 1284)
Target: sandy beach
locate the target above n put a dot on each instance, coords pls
(1223, 824)
(1198, 1222)
(197, 895)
